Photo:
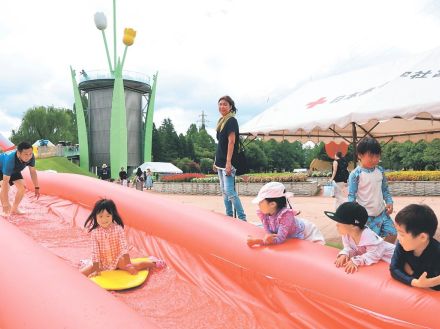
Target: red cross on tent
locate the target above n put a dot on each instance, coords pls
(322, 100)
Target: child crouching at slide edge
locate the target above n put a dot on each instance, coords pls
(416, 260)
(109, 245)
(279, 219)
(362, 246)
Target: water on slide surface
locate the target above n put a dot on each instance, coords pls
(163, 299)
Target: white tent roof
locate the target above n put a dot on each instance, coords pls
(41, 142)
(160, 167)
(399, 100)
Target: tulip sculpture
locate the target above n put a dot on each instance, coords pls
(118, 127)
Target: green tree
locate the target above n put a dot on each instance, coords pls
(431, 154)
(255, 156)
(187, 165)
(157, 147)
(204, 144)
(270, 149)
(54, 124)
(310, 153)
(411, 155)
(206, 165)
(169, 142)
(391, 157)
(183, 147)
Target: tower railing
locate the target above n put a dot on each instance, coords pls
(105, 74)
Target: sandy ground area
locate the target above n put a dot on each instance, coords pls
(312, 208)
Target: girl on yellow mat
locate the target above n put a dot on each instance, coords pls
(109, 246)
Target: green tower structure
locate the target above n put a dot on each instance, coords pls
(115, 134)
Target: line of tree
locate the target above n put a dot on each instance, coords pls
(54, 124)
(195, 150)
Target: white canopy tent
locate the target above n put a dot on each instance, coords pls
(160, 167)
(43, 142)
(394, 101)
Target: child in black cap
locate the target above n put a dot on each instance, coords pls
(416, 260)
(361, 245)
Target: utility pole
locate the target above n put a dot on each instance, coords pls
(203, 120)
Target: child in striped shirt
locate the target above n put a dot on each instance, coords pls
(109, 246)
(279, 220)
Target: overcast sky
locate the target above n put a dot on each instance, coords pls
(255, 51)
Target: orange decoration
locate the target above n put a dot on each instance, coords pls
(332, 147)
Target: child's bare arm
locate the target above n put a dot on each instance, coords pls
(408, 270)
(350, 267)
(251, 241)
(424, 282)
(270, 238)
(341, 260)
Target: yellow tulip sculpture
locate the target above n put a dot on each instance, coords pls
(129, 35)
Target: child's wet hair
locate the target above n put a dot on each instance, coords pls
(281, 202)
(368, 145)
(100, 206)
(418, 218)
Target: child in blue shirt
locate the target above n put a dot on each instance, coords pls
(416, 259)
(367, 185)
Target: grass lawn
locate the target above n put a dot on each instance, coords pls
(337, 245)
(61, 165)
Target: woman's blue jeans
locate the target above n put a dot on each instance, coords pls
(230, 196)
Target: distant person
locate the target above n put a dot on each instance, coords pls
(279, 220)
(148, 179)
(139, 179)
(367, 185)
(105, 172)
(109, 245)
(227, 149)
(123, 177)
(416, 260)
(361, 245)
(339, 179)
(11, 165)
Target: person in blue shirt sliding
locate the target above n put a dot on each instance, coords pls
(11, 165)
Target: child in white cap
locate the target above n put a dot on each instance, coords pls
(279, 219)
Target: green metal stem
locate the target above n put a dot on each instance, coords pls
(114, 32)
(123, 57)
(148, 128)
(81, 123)
(107, 52)
(118, 125)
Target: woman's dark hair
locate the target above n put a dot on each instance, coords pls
(139, 172)
(230, 101)
(418, 218)
(368, 145)
(281, 202)
(100, 206)
(339, 155)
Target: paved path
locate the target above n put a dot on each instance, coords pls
(312, 208)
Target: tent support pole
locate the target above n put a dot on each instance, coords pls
(354, 133)
(368, 132)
